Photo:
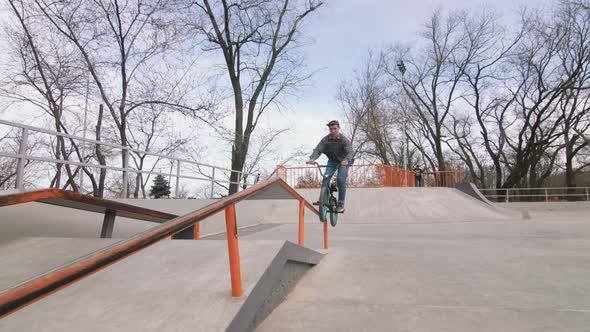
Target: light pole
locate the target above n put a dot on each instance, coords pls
(84, 133)
(402, 68)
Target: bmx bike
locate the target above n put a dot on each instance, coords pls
(327, 203)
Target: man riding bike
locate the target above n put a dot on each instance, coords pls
(339, 152)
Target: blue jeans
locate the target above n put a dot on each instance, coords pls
(419, 182)
(330, 170)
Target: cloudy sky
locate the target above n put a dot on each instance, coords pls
(339, 37)
(343, 32)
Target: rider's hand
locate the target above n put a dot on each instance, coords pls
(344, 163)
(311, 162)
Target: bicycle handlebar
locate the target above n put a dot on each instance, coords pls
(318, 165)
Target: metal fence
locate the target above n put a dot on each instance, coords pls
(548, 194)
(448, 179)
(369, 176)
(22, 157)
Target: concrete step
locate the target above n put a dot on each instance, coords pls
(174, 285)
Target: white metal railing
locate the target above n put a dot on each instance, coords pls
(22, 157)
(546, 194)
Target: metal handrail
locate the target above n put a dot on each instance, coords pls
(40, 286)
(22, 157)
(114, 168)
(116, 146)
(64, 198)
(548, 192)
(547, 188)
(538, 195)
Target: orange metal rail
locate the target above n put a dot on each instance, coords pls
(44, 285)
(84, 202)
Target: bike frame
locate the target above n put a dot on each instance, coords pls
(329, 185)
(331, 206)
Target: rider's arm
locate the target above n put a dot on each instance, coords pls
(348, 150)
(319, 149)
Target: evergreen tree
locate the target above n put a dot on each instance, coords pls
(160, 188)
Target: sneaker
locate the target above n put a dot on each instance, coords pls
(340, 208)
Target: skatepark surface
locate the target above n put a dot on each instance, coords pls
(400, 259)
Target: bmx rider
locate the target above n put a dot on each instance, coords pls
(339, 152)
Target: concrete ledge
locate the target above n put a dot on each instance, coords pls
(281, 276)
(471, 190)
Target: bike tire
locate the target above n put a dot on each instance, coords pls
(324, 203)
(333, 213)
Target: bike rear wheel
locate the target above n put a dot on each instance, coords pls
(333, 213)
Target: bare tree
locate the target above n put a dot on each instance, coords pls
(575, 102)
(10, 142)
(372, 114)
(543, 81)
(150, 132)
(264, 147)
(48, 77)
(118, 41)
(433, 79)
(256, 39)
(485, 96)
(523, 88)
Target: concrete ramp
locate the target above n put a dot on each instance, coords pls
(24, 258)
(457, 277)
(410, 205)
(173, 285)
(403, 259)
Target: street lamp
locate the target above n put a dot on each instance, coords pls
(402, 68)
(84, 133)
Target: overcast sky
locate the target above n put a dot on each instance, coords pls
(339, 36)
(343, 31)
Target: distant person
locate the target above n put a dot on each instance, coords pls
(339, 152)
(418, 171)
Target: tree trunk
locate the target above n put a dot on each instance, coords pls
(101, 158)
(238, 160)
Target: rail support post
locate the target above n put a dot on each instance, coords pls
(197, 231)
(234, 252)
(301, 223)
(125, 172)
(213, 182)
(108, 224)
(177, 191)
(22, 151)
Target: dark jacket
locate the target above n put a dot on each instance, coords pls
(418, 171)
(336, 149)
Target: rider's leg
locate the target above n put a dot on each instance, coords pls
(342, 185)
(331, 168)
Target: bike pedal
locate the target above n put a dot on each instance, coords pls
(315, 203)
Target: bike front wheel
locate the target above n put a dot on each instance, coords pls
(324, 203)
